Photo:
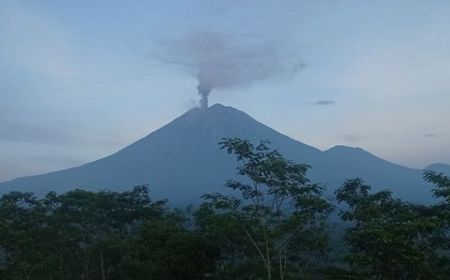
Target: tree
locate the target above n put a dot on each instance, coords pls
(164, 249)
(22, 221)
(279, 215)
(441, 183)
(77, 235)
(441, 210)
(389, 238)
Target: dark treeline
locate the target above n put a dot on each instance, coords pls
(277, 226)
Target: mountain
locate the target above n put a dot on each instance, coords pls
(440, 168)
(182, 160)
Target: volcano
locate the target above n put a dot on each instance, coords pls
(182, 160)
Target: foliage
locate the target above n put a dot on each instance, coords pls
(86, 235)
(389, 238)
(275, 227)
(277, 222)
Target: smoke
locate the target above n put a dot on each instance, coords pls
(322, 103)
(204, 89)
(220, 61)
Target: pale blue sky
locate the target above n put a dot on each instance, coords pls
(80, 79)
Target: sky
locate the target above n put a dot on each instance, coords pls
(80, 80)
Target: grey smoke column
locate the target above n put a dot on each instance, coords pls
(204, 91)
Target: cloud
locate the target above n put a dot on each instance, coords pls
(29, 133)
(322, 103)
(52, 135)
(431, 135)
(354, 138)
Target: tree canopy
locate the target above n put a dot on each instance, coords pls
(272, 223)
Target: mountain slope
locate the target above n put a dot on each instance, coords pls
(182, 160)
(347, 162)
(440, 168)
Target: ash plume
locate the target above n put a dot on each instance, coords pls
(204, 89)
(220, 61)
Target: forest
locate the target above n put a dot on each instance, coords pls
(273, 224)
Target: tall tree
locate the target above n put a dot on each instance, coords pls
(279, 214)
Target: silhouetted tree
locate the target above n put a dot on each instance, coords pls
(389, 238)
(278, 220)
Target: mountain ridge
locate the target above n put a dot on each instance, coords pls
(182, 160)
(439, 167)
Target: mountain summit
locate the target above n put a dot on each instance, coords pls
(182, 160)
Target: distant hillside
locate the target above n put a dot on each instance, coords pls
(182, 160)
(439, 167)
